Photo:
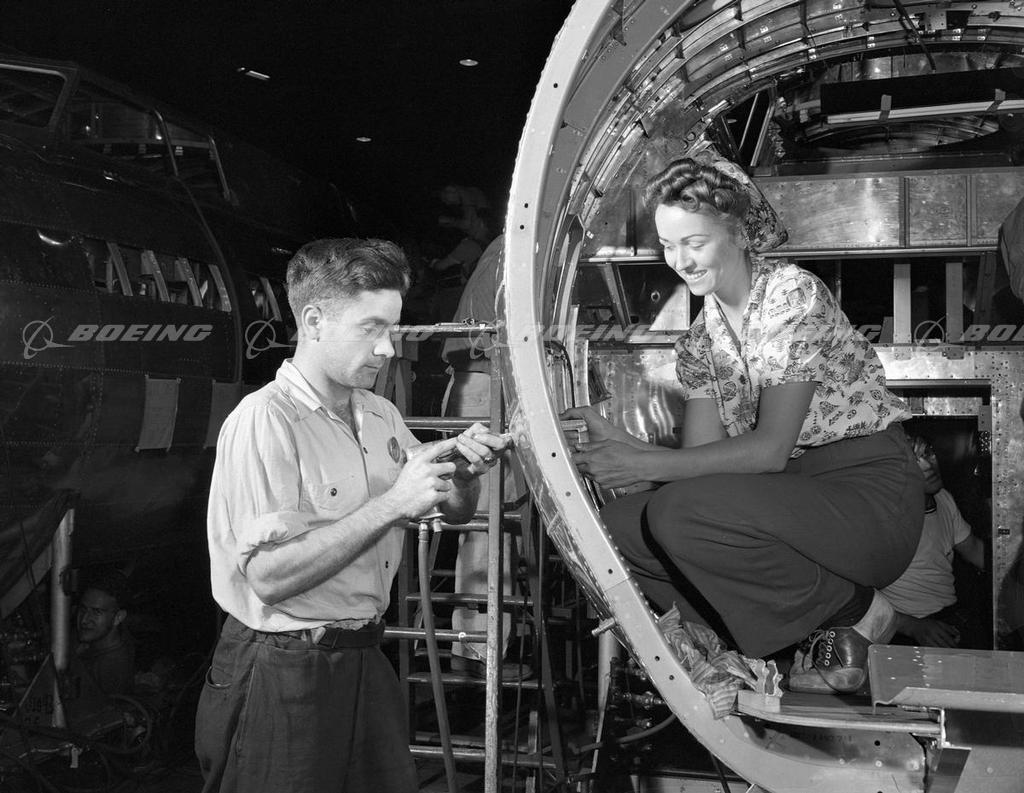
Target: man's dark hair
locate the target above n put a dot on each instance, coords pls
(113, 583)
(332, 269)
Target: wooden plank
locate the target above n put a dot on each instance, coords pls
(837, 713)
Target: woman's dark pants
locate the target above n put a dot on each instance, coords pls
(775, 555)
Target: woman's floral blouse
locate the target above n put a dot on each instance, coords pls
(793, 332)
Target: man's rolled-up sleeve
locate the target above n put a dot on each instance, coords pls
(263, 472)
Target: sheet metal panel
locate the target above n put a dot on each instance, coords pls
(910, 210)
(936, 210)
(855, 212)
(825, 15)
(944, 677)
(646, 397)
(780, 27)
(159, 414)
(993, 197)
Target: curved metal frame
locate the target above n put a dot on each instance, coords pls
(595, 50)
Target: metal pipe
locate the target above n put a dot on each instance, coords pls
(441, 636)
(495, 570)
(443, 423)
(608, 647)
(428, 522)
(60, 611)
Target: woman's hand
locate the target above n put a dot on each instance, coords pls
(600, 429)
(611, 463)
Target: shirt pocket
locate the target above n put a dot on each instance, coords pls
(335, 498)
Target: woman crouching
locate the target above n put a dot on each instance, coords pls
(795, 493)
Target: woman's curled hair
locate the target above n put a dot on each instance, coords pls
(692, 186)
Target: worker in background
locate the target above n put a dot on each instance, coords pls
(464, 229)
(105, 650)
(469, 394)
(924, 596)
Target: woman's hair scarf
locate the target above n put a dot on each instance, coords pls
(762, 227)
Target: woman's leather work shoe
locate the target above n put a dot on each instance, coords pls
(840, 656)
(805, 677)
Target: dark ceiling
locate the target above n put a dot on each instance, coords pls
(386, 69)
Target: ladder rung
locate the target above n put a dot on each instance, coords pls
(509, 518)
(469, 599)
(453, 678)
(427, 738)
(477, 755)
(442, 635)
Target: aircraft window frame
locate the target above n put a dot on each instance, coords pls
(122, 273)
(97, 254)
(134, 148)
(271, 298)
(183, 271)
(179, 290)
(141, 277)
(181, 138)
(151, 266)
(223, 299)
(17, 119)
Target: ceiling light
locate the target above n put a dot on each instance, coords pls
(363, 139)
(469, 62)
(253, 74)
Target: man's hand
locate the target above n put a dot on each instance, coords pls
(423, 482)
(479, 451)
(929, 633)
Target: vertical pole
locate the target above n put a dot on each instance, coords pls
(987, 269)
(954, 302)
(495, 571)
(902, 330)
(608, 647)
(60, 611)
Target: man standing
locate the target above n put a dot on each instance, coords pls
(315, 480)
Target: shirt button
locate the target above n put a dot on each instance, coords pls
(387, 564)
(365, 450)
(334, 491)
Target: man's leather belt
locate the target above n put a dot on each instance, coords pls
(340, 638)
